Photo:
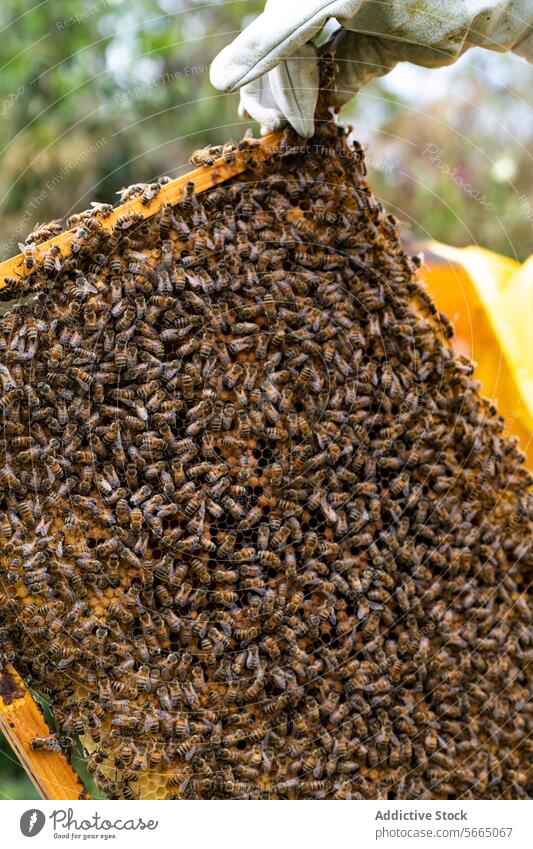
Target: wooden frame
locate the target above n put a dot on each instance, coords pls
(204, 178)
(21, 720)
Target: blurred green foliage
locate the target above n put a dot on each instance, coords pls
(97, 94)
(450, 150)
(14, 783)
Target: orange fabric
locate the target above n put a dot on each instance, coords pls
(489, 299)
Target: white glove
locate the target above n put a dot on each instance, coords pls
(276, 67)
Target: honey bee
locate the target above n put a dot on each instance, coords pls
(51, 260)
(52, 742)
(28, 252)
(228, 151)
(202, 158)
(149, 192)
(187, 201)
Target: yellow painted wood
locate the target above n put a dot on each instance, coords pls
(204, 178)
(21, 721)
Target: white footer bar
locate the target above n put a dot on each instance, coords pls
(268, 825)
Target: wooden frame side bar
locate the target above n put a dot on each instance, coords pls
(21, 720)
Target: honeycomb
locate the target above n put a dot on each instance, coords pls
(262, 538)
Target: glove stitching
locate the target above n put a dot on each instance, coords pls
(292, 90)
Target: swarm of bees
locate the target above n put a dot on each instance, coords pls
(261, 536)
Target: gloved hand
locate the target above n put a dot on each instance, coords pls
(274, 62)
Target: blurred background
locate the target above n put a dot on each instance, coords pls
(98, 94)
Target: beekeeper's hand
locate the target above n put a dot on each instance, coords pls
(274, 62)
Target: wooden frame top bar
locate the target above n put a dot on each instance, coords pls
(204, 178)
